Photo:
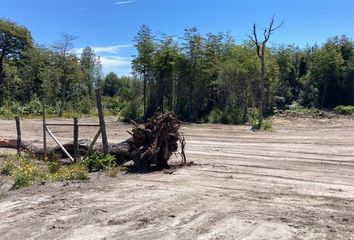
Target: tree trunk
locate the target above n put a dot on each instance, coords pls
(63, 96)
(244, 118)
(324, 94)
(2, 76)
(261, 100)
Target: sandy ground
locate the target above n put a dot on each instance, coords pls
(294, 183)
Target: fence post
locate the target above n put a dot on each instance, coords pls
(101, 119)
(18, 129)
(44, 131)
(76, 140)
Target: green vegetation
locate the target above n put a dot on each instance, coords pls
(202, 78)
(344, 110)
(97, 162)
(25, 170)
(264, 126)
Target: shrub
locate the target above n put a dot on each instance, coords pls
(97, 162)
(84, 106)
(114, 106)
(344, 110)
(265, 126)
(215, 116)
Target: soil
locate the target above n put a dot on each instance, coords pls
(296, 182)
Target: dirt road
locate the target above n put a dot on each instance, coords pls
(294, 183)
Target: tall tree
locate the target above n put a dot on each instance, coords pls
(14, 40)
(92, 69)
(143, 62)
(165, 73)
(326, 70)
(193, 51)
(63, 47)
(111, 84)
(260, 49)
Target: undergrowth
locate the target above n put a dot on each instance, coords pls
(344, 110)
(26, 170)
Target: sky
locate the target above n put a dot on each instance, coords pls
(109, 26)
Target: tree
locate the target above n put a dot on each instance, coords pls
(193, 53)
(92, 69)
(326, 70)
(111, 84)
(63, 47)
(14, 40)
(236, 77)
(165, 74)
(143, 63)
(260, 49)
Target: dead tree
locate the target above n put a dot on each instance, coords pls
(260, 48)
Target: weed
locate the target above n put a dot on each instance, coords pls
(54, 166)
(71, 172)
(8, 167)
(97, 162)
(24, 173)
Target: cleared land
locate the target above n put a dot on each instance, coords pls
(294, 183)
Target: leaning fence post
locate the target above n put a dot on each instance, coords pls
(101, 119)
(76, 139)
(18, 129)
(44, 131)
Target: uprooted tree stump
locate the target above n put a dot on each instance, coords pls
(152, 143)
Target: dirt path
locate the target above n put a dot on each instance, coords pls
(294, 183)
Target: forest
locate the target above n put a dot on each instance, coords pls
(202, 78)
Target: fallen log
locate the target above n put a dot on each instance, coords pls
(151, 143)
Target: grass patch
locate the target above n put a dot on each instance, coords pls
(25, 171)
(69, 173)
(344, 110)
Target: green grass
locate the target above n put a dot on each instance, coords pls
(26, 170)
(344, 110)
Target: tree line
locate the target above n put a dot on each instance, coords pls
(200, 77)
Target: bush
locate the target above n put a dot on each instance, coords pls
(114, 106)
(215, 116)
(344, 110)
(97, 162)
(84, 106)
(265, 126)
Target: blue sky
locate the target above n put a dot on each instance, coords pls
(110, 25)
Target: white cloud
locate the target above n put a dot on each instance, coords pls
(117, 64)
(111, 58)
(123, 2)
(115, 61)
(114, 49)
